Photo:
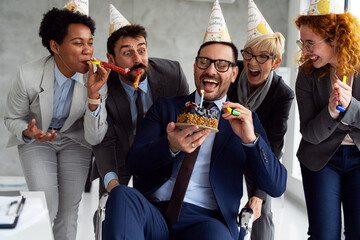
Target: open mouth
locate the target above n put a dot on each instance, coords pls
(254, 73)
(210, 84)
(314, 58)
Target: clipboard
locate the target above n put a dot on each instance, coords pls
(11, 204)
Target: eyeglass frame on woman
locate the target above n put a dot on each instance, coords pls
(255, 56)
(307, 45)
(229, 63)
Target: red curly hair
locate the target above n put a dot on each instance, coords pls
(345, 30)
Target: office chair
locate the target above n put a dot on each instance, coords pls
(100, 216)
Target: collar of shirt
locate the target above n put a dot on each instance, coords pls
(130, 90)
(61, 79)
(218, 103)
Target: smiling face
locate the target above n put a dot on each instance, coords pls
(215, 83)
(257, 73)
(130, 53)
(322, 52)
(74, 51)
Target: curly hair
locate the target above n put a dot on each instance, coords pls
(273, 43)
(55, 23)
(133, 31)
(344, 29)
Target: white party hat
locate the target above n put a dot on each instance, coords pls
(216, 29)
(321, 7)
(80, 6)
(117, 20)
(257, 25)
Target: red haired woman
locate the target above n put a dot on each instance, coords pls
(329, 150)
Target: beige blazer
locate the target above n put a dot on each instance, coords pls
(31, 96)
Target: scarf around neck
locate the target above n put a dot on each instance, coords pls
(252, 101)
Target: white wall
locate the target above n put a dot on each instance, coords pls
(175, 31)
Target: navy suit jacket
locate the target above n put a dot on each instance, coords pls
(149, 159)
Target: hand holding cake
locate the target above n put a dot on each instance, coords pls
(187, 139)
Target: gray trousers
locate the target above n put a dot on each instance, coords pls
(263, 227)
(59, 168)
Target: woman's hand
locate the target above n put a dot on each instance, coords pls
(33, 132)
(95, 81)
(343, 93)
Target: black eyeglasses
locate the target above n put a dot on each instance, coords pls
(220, 65)
(259, 58)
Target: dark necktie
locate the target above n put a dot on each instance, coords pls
(177, 196)
(140, 110)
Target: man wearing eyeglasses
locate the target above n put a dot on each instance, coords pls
(209, 207)
(261, 90)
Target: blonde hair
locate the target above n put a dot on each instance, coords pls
(274, 43)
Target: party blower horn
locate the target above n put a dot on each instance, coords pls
(112, 67)
(340, 107)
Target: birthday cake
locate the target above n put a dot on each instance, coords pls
(192, 114)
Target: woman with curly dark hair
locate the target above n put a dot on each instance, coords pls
(329, 150)
(54, 114)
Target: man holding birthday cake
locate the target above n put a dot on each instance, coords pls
(189, 181)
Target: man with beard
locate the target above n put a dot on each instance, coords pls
(127, 48)
(211, 185)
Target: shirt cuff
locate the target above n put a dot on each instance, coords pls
(110, 176)
(96, 112)
(253, 143)
(174, 155)
(27, 139)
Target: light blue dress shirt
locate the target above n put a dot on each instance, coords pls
(146, 98)
(63, 92)
(199, 191)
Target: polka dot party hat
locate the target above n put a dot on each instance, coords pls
(116, 19)
(216, 29)
(257, 24)
(80, 6)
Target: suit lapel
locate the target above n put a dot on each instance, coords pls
(122, 105)
(221, 138)
(356, 87)
(46, 96)
(78, 102)
(155, 84)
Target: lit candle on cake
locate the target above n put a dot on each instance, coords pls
(202, 97)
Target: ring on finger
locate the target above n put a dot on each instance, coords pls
(193, 145)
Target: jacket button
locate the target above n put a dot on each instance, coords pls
(264, 155)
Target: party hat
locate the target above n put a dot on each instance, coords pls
(321, 7)
(80, 6)
(257, 24)
(216, 29)
(117, 20)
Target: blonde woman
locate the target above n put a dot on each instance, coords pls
(261, 90)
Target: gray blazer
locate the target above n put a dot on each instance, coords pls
(31, 96)
(321, 134)
(166, 78)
